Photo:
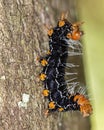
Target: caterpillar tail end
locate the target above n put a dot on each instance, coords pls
(86, 110)
(84, 104)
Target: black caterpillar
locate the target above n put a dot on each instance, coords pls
(53, 74)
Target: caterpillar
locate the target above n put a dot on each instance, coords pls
(61, 37)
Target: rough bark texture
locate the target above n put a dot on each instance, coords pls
(22, 39)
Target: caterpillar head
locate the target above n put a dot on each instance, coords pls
(76, 33)
(84, 104)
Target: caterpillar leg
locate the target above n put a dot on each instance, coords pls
(46, 113)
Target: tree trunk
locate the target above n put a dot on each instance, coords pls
(23, 38)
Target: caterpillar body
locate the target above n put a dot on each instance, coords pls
(53, 74)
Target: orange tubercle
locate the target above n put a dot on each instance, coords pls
(61, 23)
(42, 76)
(51, 105)
(84, 103)
(50, 32)
(45, 92)
(44, 62)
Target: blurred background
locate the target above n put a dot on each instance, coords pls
(92, 13)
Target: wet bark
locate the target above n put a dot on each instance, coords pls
(23, 38)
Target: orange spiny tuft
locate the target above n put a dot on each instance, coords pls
(86, 110)
(84, 103)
